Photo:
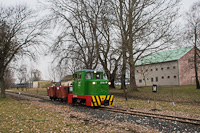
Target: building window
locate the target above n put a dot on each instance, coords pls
(190, 60)
(162, 77)
(167, 67)
(140, 81)
(147, 78)
(168, 77)
(162, 68)
(156, 79)
(156, 69)
(175, 76)
(151, 79)
(174, 67)
(151, 69)
(146, 70)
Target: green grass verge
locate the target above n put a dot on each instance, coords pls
(164, 106)
(183, 94)
(186, 98)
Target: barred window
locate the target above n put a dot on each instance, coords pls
(156, 79)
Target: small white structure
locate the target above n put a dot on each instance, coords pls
(35, 84)
(67, 80)
(40, 84)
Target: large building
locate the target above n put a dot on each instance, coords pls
(172, 67)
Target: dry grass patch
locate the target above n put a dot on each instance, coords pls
(180, 94)
(22, 116)
(160, 105)
(38, 91)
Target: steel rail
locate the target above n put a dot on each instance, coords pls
(154, 115)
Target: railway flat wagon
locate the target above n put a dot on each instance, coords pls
(51, 92)
(62, 92)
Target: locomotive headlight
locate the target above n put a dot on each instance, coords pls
(95, 71)
(93, 83)
(109, 83)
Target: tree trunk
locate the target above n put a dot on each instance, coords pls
(123, 71)
(133, 85)
(112, 83)
(123, 76)
(195, 67)
(3, 93)
(112, 79)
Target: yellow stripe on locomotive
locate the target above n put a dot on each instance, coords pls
(99, 100)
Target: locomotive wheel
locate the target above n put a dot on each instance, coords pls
(74, 101)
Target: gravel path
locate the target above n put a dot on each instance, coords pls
(161, 125)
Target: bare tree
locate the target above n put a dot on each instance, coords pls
(75, 41)
(9, 78)
(145, 27)
(18, 32)
(193, 34)
(88, 37)
(36, 75)
(22, 74)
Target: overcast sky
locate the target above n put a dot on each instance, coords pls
(45, 62)
(33, 3)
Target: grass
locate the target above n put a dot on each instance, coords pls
(183, 94)
(161, 105)
(22, 116)
(39, 91)
(186, 98)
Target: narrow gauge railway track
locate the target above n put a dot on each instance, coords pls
(127, 111)
(28, 95)
(154, 115)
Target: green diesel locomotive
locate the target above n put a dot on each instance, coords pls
(90, 88)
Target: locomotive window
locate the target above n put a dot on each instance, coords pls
(79, 76)
(75, 76)
(99, 75)
(88, 75)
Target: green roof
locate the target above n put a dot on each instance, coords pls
(164, 56)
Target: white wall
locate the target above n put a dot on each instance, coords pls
(166, 73)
